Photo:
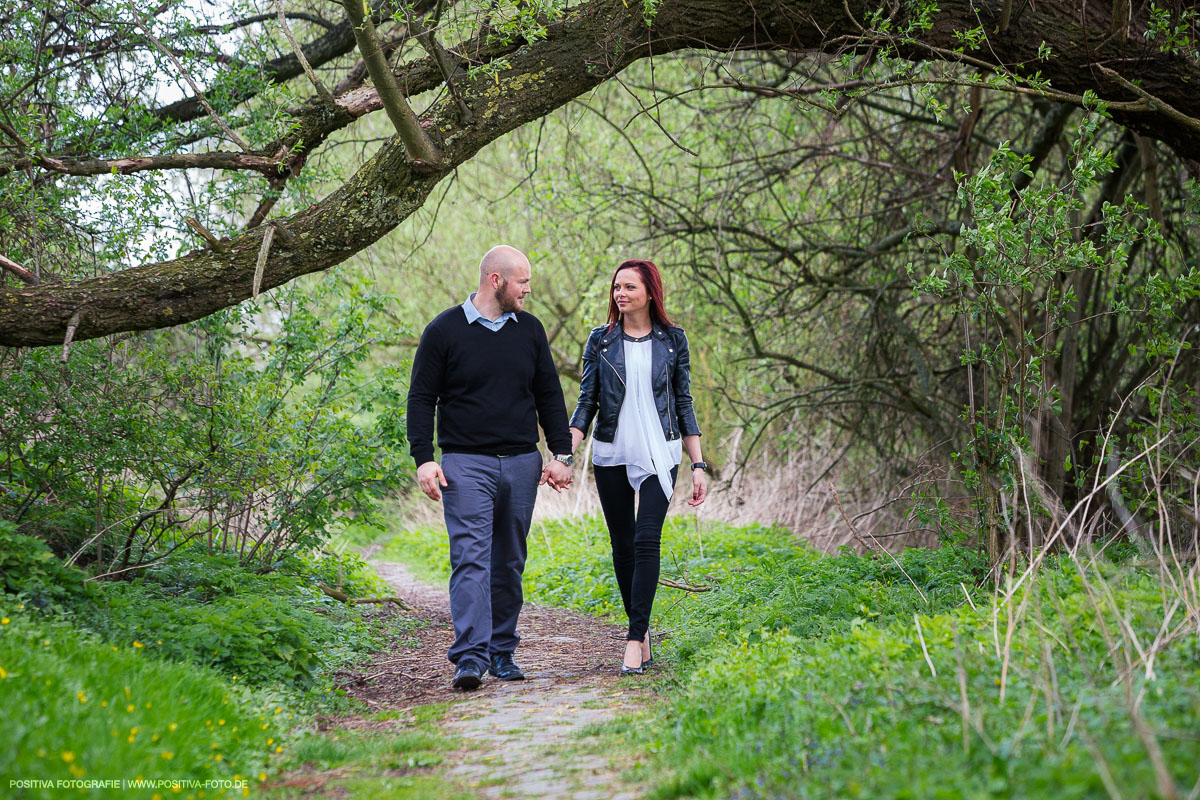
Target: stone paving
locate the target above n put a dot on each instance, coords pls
(521, 739)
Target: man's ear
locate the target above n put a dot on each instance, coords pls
(495, 279)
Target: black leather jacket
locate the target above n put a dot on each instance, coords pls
(602, 386)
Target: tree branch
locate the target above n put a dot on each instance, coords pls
(418, 144)
(83, 167)
(16, 269)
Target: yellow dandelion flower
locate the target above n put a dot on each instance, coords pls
(154, 738)
(128, 694)
(68, 756)
(220, 722)
(264, 726)
(132, 738)
(217, 757)
(82, 697)
(262, 776)
(104, 704)
(138, 644)
(278, 710)
(114, 647)
(168, 755)
(245, 791)
(147, 705)
(271, 740)
(159, 641)
(4, 621)
(214, 746)
(45, 642)
(78, 771)
(279, 749)
(4, 674)
(41, 752)
(172, 726)
(130, 707)
(156, 796)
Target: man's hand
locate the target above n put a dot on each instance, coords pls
(429, 477)
(558, 475)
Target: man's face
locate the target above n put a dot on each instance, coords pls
(510, 294)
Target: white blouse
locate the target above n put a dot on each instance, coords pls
(639, 443)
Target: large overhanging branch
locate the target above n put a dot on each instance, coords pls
(84, 167)
(590, 45)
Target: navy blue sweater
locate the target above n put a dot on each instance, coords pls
(490, 389)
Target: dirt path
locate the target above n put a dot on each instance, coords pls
(521, 738)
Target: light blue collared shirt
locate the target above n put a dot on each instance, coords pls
(473, 315)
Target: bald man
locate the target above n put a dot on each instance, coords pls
(484, 368)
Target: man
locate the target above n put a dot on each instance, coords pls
(486, 367)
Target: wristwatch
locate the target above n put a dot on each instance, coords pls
(568, 459)
(700, 465)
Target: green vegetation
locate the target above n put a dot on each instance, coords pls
(198, 669)
(79, 707)
(802, 675)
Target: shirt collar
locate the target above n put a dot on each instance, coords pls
(473, 314)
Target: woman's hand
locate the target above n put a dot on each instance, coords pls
(576, 438)
(699, 487)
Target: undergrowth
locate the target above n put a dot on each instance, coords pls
(197, 669)
(797, 675)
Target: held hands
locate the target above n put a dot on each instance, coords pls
(699, 487)
(558, 475)
(429, 477)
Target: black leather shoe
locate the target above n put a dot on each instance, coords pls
(504, 668)
(468, 676)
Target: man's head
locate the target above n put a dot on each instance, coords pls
(504, 274)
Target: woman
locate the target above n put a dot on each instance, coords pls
(635, 385)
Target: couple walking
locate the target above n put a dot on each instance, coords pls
(485, 368)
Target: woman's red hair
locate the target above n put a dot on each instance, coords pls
(654, 288)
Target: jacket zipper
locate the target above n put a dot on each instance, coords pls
(614, 368)
(670, 410)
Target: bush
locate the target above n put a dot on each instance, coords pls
(33, 573)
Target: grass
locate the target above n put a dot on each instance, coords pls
(808, 676)
(78, 708)
(198, 670)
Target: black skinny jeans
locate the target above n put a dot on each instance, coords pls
(635, 540)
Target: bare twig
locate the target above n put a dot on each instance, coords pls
(924, 649)
(16, 269)
(71, 326)
(212, 113)
(263, 251)
(670, 584)
(326, 97)
(206, 235)
(859, 538)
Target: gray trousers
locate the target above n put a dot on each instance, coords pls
(488, 505)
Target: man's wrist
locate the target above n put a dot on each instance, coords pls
(566, 459)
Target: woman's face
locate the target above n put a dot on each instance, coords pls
(629, 292)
